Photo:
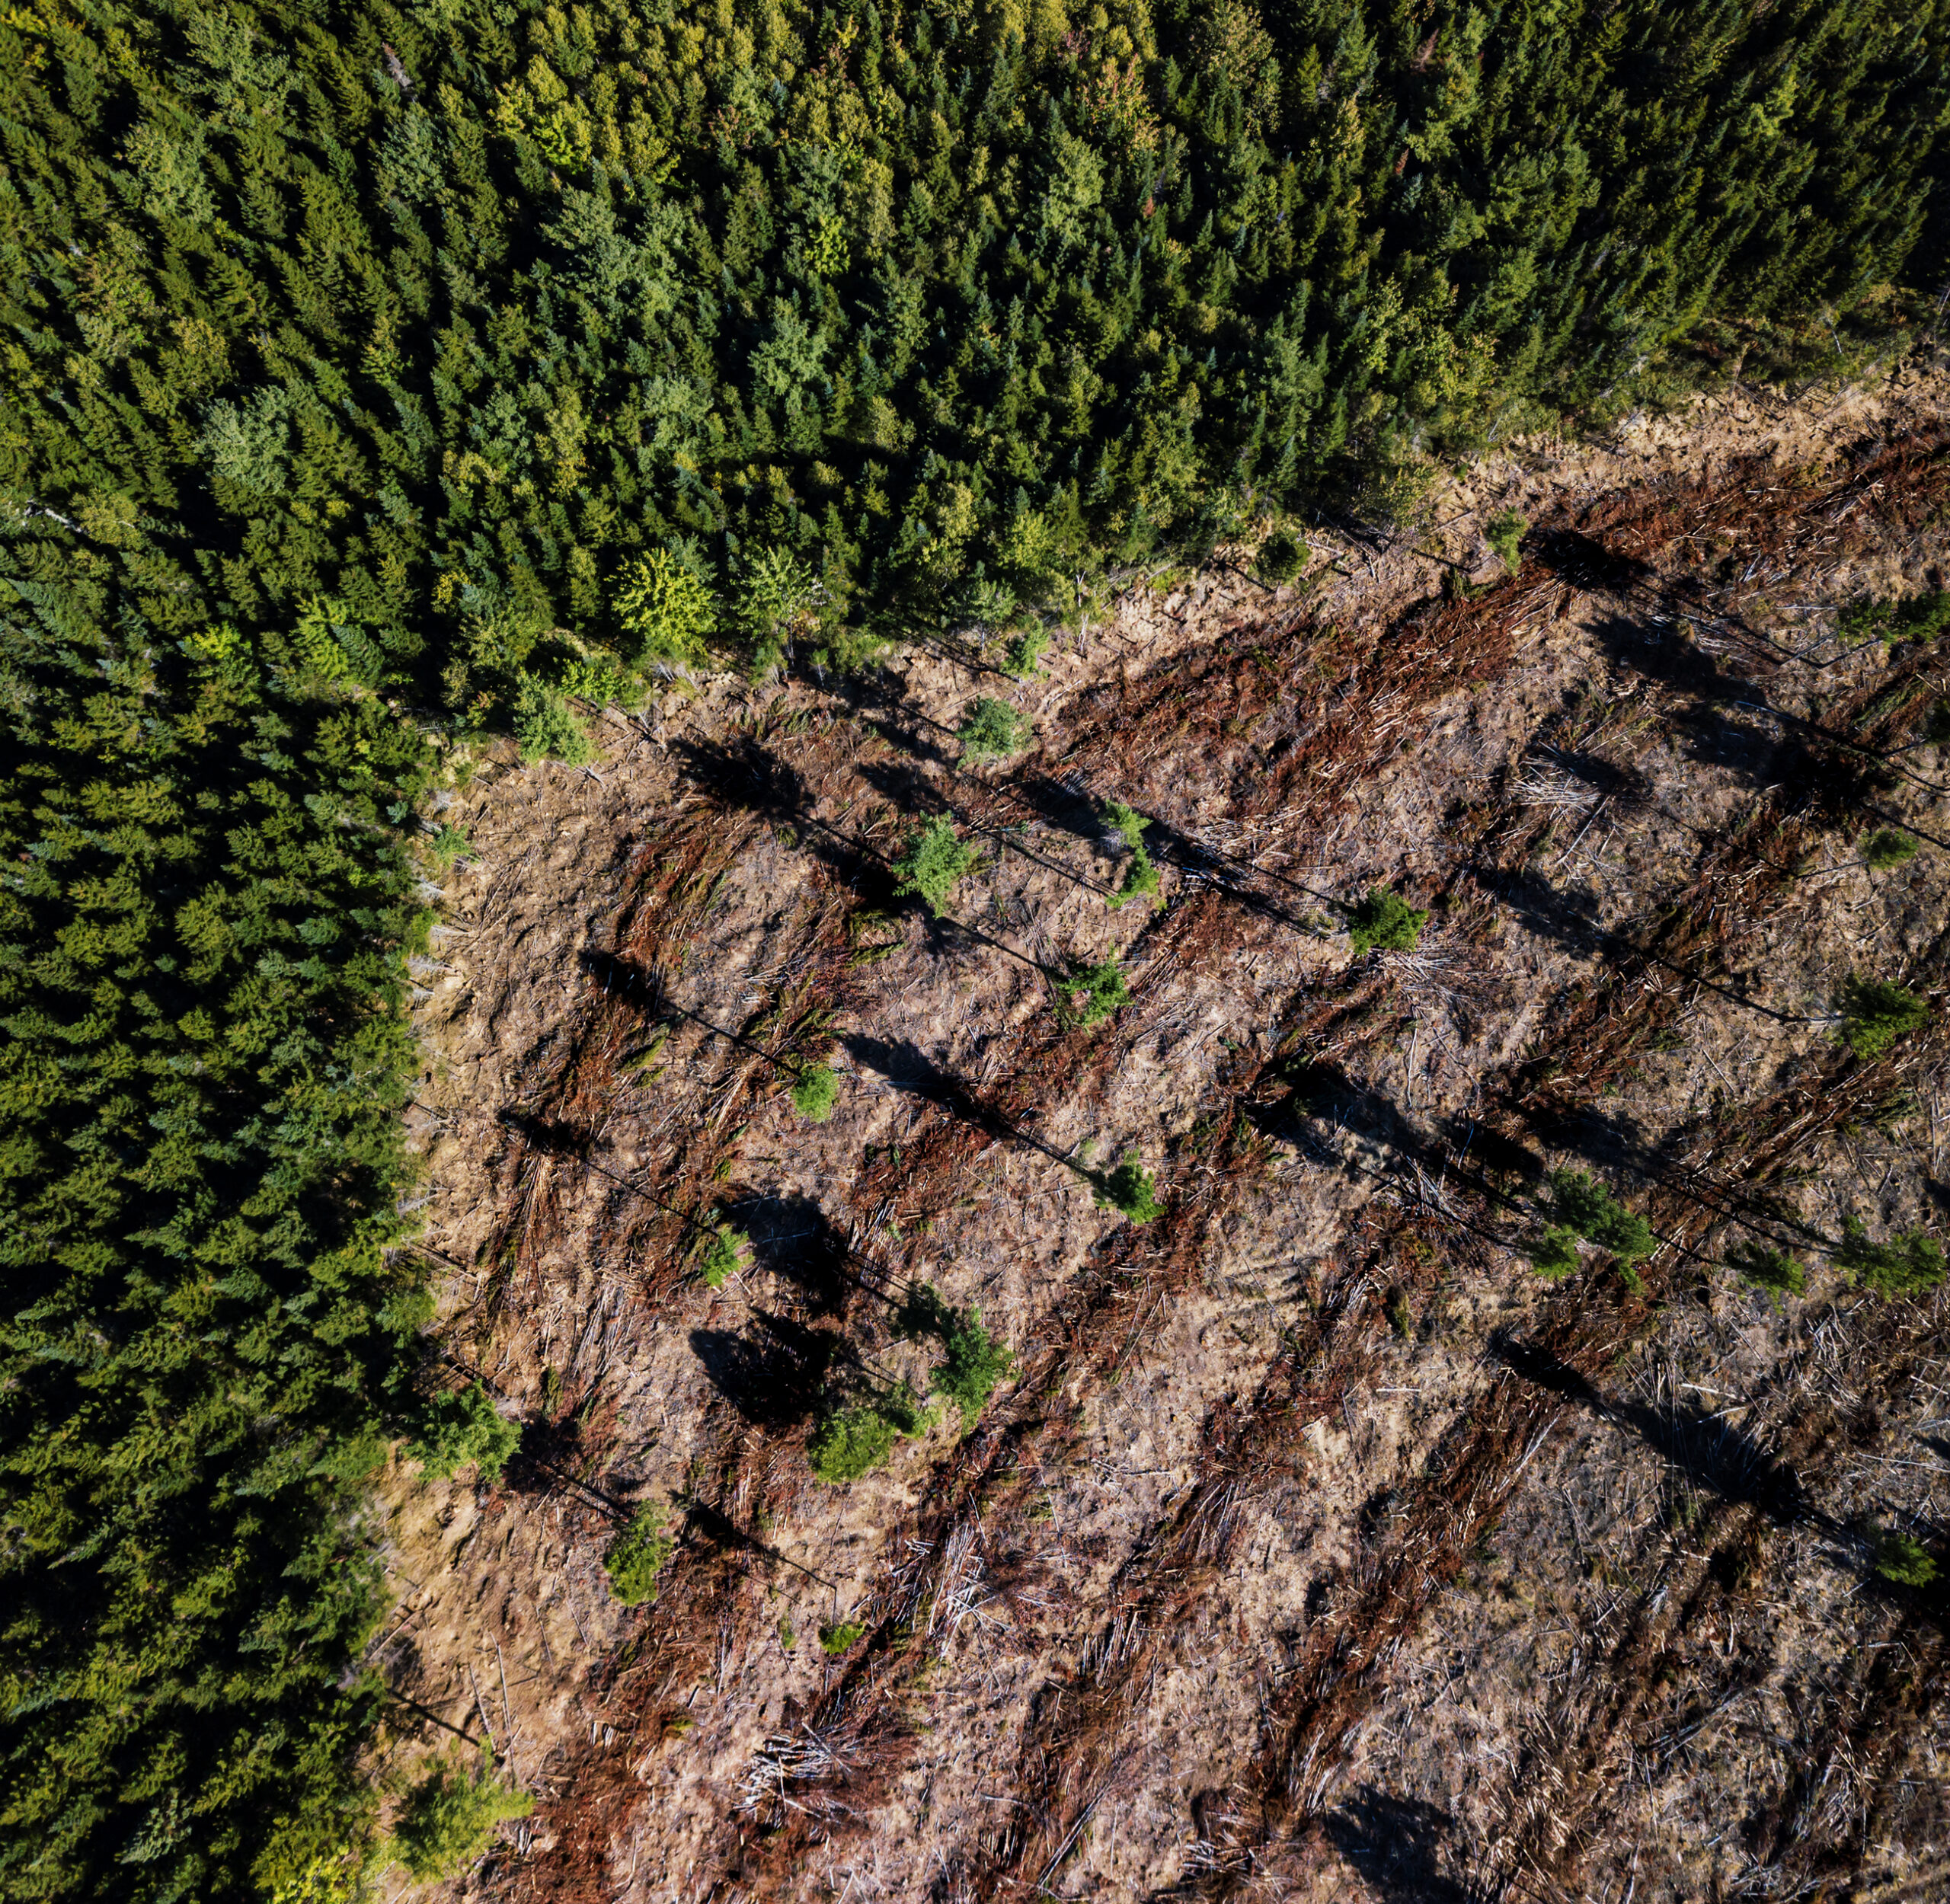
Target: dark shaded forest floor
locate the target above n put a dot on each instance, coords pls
(1319, 1548)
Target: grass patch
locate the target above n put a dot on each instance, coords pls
(815, 1091)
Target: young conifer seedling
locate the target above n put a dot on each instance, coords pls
(1092, 993)
(1770, 1268)
(1887, 848)
(1908, 1264)
(1385, 921)
(993, 731)
(1504, 533)
(1130, 1189)
(1903, 1561)
(1140, 879)
(1875, 1013)
(1282, 556)
(936, 863)
(723, 1252)
(638, 1555)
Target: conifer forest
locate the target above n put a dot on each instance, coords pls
(963, 950)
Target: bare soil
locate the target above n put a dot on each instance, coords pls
(1318, 1548)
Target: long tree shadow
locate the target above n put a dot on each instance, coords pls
(1624, 785)
(774, 1378)
(724, 1533)
(1809, 756)
(1067, 807)
(1589, 565)
(746, 776)
(1567, 916)
(1322, 1098)
(792, 1238)
(878, 697)
(553, 1136)
(923, 800)
(1396, 1845)
(1322, 1101)
(749, 778)
(1564, 915)
(910, 789)
(1610, 1140)
(908, 1068)
(1712, 1452)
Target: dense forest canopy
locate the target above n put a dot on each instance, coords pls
(376, 373)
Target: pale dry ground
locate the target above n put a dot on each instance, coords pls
(504, 1620)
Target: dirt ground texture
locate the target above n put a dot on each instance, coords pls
(1318, 1547)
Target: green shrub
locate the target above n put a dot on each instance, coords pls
(1092, 992)
(853, 1440)
(449, 845)
(1503, 534)
(547, 729)
(1770, 1268)
(450, 1816)
(1907, 1264)
(1140, 881)
(935, 863)
(668, 609)
(973, 1362)
(1384, 922)
(993, 730)
(724, 1251)
(1281, 557)
(1583, 1205)
(1554, 1255)
(1887, 847)
(637, 1554)
(1903, 1561)
(462, 1427)
(841, 1637)
(815, 1091)
(1129, 1188)
(1024, 652)
(581, 678)
(1128, 822)
(1875, 1013)
(1920, 618)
